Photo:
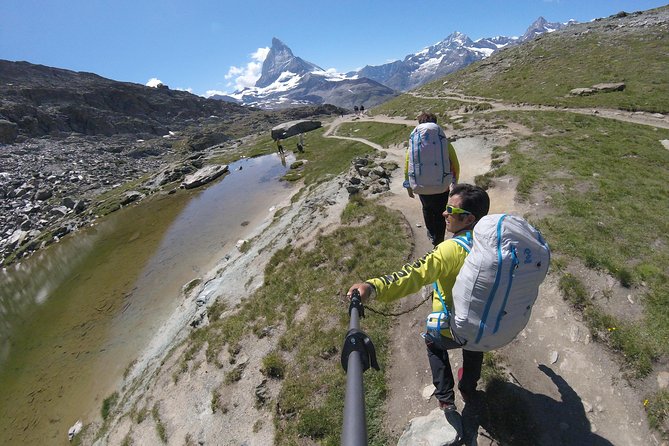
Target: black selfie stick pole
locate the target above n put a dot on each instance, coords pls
(357, 355)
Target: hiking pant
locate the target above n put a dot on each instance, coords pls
(442, 375)
(433, 209)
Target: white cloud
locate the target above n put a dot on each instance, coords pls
(247, 76)
(153, 82)
(211, 93)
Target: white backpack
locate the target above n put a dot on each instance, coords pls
(429, 164)
(499, 282)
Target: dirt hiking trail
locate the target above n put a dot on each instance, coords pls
(573, 387)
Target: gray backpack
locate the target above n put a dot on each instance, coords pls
(429, 164)
(498, 284)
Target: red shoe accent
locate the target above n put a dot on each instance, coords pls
(460, 372)
(447, 407)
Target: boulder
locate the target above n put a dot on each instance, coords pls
(80, 206)
(68, 202)
(598, 88)
(436, 429)
(607, 87)
(292, 128)
(204, 176)
(43, 194)
(17, 238)
(8, 132)
(58, 211)
(131, 196)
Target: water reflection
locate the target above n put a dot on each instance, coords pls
(73, 317)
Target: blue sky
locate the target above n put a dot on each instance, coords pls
(216, 45)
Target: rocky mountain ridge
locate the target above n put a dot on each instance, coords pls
(39, 100)
(451, 54)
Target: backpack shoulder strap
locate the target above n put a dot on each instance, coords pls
(465, 241)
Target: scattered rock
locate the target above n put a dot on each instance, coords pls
(434, 429)
(554, 357)
(428, 391)
(74, 430)
(262, 393)
(131, 196)
(598, 88)
(663, 380)
(43, 194)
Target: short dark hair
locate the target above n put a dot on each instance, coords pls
(474, 199)
(427, 117)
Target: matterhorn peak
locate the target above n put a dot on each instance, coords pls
(279, 60)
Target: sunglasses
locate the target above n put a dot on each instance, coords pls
(453, 210)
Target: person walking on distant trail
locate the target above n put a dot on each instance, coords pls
(300, 143)
(431, 167)
(467, 204)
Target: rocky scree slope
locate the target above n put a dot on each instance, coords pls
(67, 137)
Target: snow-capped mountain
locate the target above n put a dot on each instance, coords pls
(451, 54)
(287, 80)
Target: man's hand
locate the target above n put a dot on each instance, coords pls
(363, 288)
(410, 192)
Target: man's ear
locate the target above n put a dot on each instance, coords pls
(471, 219)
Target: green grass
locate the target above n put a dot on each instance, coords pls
(371, 240)
(605, 184)
(324, 158)
(381, 133)
(545, 70)
(409, 106)
(274, 366)
(108, 405)
(657, 408)
(161, 430)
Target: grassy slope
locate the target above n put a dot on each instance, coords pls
(545, 70)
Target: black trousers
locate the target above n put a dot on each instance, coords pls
(433, 209)
(442, 375)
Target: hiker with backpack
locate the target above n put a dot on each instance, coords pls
(431, 167)
(486, 279)
(467, 204)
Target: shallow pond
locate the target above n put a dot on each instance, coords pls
(74, 316)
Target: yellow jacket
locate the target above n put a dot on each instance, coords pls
(441, 265)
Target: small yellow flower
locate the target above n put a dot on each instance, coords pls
(645, 403)
(612, 328)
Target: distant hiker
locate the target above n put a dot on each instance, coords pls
(300, 143)
(431, 167)
(279, 147)
(355, 109)
(467, 204)
(362, 109)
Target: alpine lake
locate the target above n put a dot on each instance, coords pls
(75, 315)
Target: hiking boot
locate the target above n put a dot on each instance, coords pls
(447, 407)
